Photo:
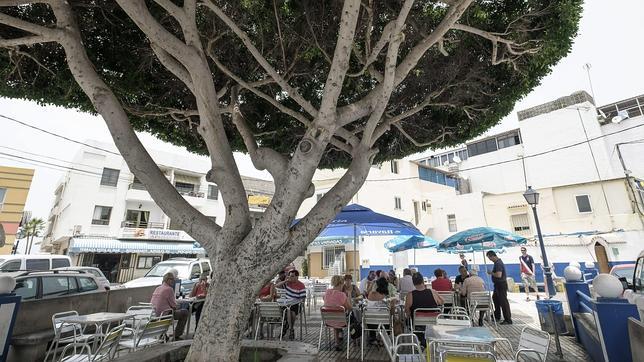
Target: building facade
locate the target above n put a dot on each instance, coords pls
(14, 188)
(103, 216)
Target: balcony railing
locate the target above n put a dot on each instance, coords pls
(137, 186)
(142, 225)
(191, 193)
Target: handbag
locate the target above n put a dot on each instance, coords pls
(355, 329)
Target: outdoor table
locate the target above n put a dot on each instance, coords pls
(458, 334)
(289, 302)
(191, 301)
(97, 319)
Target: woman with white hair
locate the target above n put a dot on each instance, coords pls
(474, 283)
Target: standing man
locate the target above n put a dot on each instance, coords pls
(528, 273)
(500, 295)
(464, 261)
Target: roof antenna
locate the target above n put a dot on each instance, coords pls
(587, 66)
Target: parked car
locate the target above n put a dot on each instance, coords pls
(33, 262)
(188, 270)
(32, 285)
(96, 272)
(638, 274)
(625, 273)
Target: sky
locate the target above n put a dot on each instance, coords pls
(609, 38)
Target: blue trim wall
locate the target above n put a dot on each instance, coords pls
(512, 270)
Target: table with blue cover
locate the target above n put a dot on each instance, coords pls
(477, 336)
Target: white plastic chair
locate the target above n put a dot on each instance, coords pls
(481, 302)
(82, 352)
(336, 314)
(270, 313)
(65, 333)
(533, 342)
(453, 320)
(378, 316)
(152, 333)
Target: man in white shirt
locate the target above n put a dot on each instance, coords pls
(474, 283)
(365, 282)
(405, 284)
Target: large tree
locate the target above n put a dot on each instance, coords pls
(297, 85)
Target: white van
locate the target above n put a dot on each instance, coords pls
(33, 262)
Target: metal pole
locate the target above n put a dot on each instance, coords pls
(356, 268)
(546, 266)
(414, 257)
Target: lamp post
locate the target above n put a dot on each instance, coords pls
(532, 197)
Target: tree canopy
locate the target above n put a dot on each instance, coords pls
(466, 83)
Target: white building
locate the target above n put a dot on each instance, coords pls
(586, 162)
(103, 216)
(398, 188)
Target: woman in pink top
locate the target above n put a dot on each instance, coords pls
(441, 284)
(336, 297)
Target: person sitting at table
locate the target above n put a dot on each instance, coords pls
(267, 293)
(405, 284)
(199, 291)
(350, 289)
(337, 297)
(376, 299)
(163, 300)
(390, 287)
(295, 290)
(367, 282)
(281, 280)
(393, 279)
(458, 282)
(474, 283)
(421, 297)
(441, 284)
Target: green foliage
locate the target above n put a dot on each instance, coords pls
(477, 93)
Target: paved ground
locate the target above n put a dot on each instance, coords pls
(523, 314)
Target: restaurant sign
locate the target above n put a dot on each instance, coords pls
(155, 234)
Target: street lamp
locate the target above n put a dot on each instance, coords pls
(532, 197)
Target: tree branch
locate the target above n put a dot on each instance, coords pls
(26, 40)
(173, 65)
(440, 138)
(50, 33)
(292, 92)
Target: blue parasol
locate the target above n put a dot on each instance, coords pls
(480, 239)
(402, 243)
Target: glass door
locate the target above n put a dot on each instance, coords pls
(137, 218)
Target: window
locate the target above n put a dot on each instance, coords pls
(101, 215)
(583, 203)
(394, 166)
(184, 188)
(520, 224)
(508, 140)
(136, 218)
(2, 193)
(195, 271)
(416, 212)
(11, 265)
(147, 262)
(397, 203)
(110, 177)
(37, 264)
(451, 223)
(27, 288)
(331, 255)
(424, 206)
(56, 286)
(481, 147)
(86, 284)
(59, 263)
(213, 192)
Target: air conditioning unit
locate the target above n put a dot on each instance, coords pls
(77, 230)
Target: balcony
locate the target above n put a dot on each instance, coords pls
(142, 225)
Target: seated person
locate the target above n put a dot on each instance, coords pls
(295, 289)
(405, 284)
(441, 283)
(337, 297)
(474, 284)
(350, 289)
(268, 293)
(199, 291)
(367, 282)
(164, 301)
(458, 282)
(376, 298)
(421, 297)
(390, 287)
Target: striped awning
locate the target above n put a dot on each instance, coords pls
(116, 246)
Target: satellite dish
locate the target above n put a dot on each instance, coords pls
(457, 159)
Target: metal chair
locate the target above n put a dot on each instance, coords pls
(453, 320)
(140, 315)
(481, 302)
(533, 342)
(459, 310)
(105, 352)
(65, 333)
(423, 317)
(386, 341)
(335, 315)
(458, 355)
(378, 316)
(270, 313)
(459, 349)
(152, 333)
(448, 299)
(416, 354)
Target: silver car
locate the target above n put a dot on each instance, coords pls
(96, 272)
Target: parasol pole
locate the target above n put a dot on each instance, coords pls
(414, 257)
(355, 253)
